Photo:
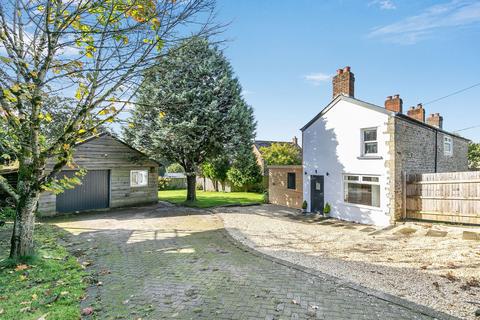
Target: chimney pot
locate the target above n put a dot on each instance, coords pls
(343, 83)
(436, 120)
(417, 113)
(295, 140)
(394, 104)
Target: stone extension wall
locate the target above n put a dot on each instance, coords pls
(412, 150)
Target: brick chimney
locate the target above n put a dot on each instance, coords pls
(295, 141)
(436, 120)
(417, 113)
(394, 103)
(343, 82)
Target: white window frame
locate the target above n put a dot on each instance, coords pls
(447, 141)
(362, 132)
(360, 179)
(134, 182)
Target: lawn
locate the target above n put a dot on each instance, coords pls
(50, 286)
(211, 199)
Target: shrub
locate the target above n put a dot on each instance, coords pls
(327, 209)
(163, 183)
(199, 186)
(304, 205)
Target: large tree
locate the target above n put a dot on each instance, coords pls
(190, 109)
(279, 154)
(89, 50)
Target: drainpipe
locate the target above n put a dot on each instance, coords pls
(436, 149)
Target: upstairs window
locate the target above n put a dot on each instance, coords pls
(291, 180)
(138, 178)
(369, 141)
(447, 146)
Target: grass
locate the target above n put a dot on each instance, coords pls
(210, 199)
(49, 284)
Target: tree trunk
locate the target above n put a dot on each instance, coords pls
(22, 236)
(222, 183)
(215, 183)
(191, 187)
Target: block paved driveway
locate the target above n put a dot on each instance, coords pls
(163, 262)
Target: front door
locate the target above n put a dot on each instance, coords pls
(316, 193)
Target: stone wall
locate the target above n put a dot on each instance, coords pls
(413, 150)
(278, 193)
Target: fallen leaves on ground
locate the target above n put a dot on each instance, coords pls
(21, 267)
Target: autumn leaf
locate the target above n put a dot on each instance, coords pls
(21, 267)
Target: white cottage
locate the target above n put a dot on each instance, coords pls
(355, 154)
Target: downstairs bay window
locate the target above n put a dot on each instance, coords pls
(360, 189)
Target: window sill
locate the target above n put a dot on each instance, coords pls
(362, 206)
(370, 158)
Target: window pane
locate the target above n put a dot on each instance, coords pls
(370, 179)
(365, 194)
(371, 147)
(351, 178)
(370, 135)
(291, 180)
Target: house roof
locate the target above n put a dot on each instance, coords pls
(15, 169)
(377, 109)
(265, 143)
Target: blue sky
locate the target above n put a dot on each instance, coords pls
(284, 53)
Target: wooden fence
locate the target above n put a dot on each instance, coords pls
(448, 197)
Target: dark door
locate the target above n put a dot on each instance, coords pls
(93, 193)
(316, 193)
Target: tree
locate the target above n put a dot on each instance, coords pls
(245, 171)
(91, 51)
(474, 155)
(190, 109)
(281, 154)
(216, 170)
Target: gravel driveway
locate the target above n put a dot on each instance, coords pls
(171, 262)
(430, 265)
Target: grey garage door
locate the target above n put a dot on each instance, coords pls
(93, 193)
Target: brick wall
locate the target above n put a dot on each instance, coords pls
(278, 193)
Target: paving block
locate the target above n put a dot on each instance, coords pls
(470, 235)
(436, 233)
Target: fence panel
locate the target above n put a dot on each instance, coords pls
(449, 197)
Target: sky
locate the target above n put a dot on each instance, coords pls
(285, 52)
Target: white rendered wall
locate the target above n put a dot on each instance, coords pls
(333, 144)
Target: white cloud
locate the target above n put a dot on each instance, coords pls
(383, 4)
(453, 14)
(317, 78)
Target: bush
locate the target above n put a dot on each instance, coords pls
(327, 209)
(163, 183)
(304, 205)
(199, 186)
(7, 214)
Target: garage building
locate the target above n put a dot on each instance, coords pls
(117, 176)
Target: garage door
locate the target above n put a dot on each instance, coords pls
(93, 193)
